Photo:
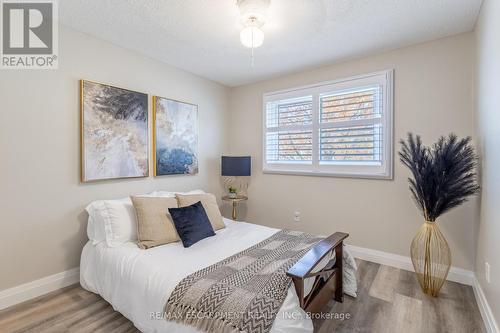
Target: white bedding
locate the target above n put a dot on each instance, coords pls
(137, 283)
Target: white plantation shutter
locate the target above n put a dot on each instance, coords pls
(289, 131)
(351, 129)
(341, 128)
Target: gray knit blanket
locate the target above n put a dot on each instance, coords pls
(242, 293)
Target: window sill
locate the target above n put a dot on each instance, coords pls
(388, 176)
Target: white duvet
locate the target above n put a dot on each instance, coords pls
(137, 283)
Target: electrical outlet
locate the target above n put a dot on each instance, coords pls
(487, 271)
(296, 216)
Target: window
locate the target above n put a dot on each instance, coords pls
(340, 128)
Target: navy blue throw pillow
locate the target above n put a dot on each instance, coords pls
(192, 223)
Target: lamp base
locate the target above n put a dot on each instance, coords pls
(240, 183)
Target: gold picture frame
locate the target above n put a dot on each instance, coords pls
(191, 148)
(115, 119)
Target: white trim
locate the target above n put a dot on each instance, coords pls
(326, 174)
(484, 308)
(30, 290)
(456, 274)
(324, 83)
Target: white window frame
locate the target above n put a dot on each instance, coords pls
(384, 171)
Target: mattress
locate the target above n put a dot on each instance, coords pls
(138, 283)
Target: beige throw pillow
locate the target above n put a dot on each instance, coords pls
(154, 223)
(209, 204)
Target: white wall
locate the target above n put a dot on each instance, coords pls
(42, 223)
(487, 113)
(433, 96)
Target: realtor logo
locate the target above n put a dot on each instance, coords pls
(29, 34)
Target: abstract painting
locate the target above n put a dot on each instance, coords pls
(114, 132)
(175, 137)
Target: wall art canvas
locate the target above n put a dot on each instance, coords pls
(114, 132)
(175, 137)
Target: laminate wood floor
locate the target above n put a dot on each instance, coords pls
(389, 300)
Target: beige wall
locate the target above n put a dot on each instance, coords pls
(487, 114)
(433, 96)
(42, 224)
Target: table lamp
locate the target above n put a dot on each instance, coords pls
(235, 170)
(233, 167)
(236, 166)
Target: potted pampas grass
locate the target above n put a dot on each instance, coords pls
(443, 177)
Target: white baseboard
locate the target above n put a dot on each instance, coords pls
(456, 274)
(484, 308)
(27, 291)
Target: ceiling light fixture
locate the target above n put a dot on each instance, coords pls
(251, 36)
(253, 17)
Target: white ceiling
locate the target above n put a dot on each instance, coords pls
(202, 36)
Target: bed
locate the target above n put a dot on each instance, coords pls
(138, 283)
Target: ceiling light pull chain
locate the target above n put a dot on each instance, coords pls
(253, 17)
(252, 57)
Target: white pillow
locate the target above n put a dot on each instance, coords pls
(164, 194)
(113, 221)
(95, 223)
(172, 194)
(91, 226)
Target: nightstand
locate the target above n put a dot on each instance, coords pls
(235, 201)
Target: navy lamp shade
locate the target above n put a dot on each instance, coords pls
(236, 166)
